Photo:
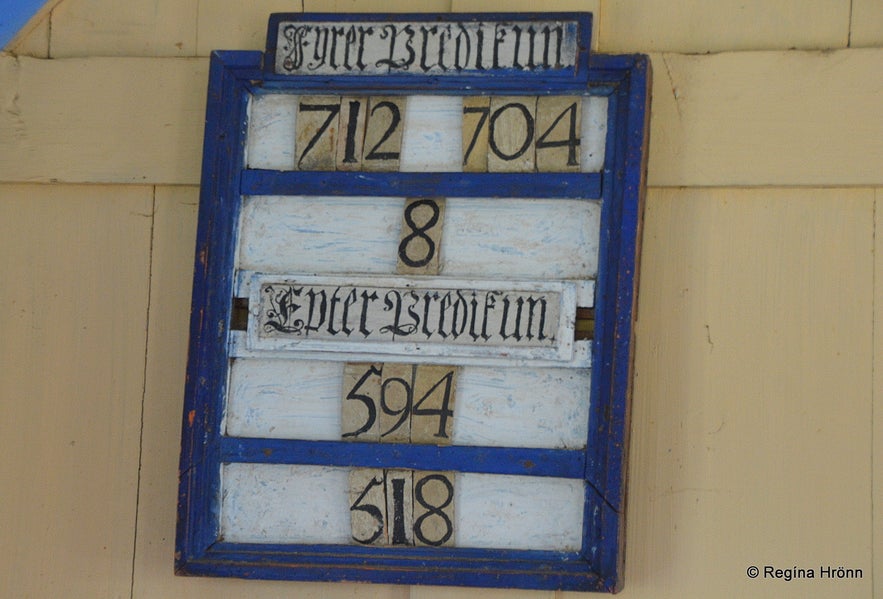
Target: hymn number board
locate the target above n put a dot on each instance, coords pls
(414, 286)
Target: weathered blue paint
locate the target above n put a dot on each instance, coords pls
(15, 15)
(491, 460)
(456, 185)
(598, 565)
(622, 208)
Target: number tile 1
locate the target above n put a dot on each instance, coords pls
(353, 113)
(400, 506)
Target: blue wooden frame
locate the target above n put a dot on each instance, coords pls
(598, 565)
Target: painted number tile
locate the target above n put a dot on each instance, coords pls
(522, 134)
(316, 133)
(558, 133)
(420, 242)
(475, 114)
(361, 386)
(511, 127)
(349, 133)
(398, 403)
(401, 507)
(383, 136)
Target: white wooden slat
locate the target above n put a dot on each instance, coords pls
(522, 407)
(582, 356)
(432, 133)
(495, 407)
(270, 141)
(284, 503)
(483, 237)
(593, 138)
(519, 512)
(293, 399)
(272, 503)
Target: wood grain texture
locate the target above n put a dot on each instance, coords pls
(697, 27)
(866, 26)
(38, 29)
(108, 120)
(756, 118)
(174, 239)
(877, 408)
(752, 393)
(429, 6)
(766, 118)
(75, 263)
(33, 40)
(234, 25)
(134, 28)
(592, 6)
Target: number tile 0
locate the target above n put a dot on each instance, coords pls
(511, 134)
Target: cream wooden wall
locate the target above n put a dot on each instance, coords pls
(757, 422)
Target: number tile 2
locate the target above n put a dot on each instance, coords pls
(401, 507)
(383, 136)
(348, 133)
(398, 403)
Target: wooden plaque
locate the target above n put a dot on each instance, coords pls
(414, 291)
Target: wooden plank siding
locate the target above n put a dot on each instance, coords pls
(732, 119)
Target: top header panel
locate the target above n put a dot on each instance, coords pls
(535, 45)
